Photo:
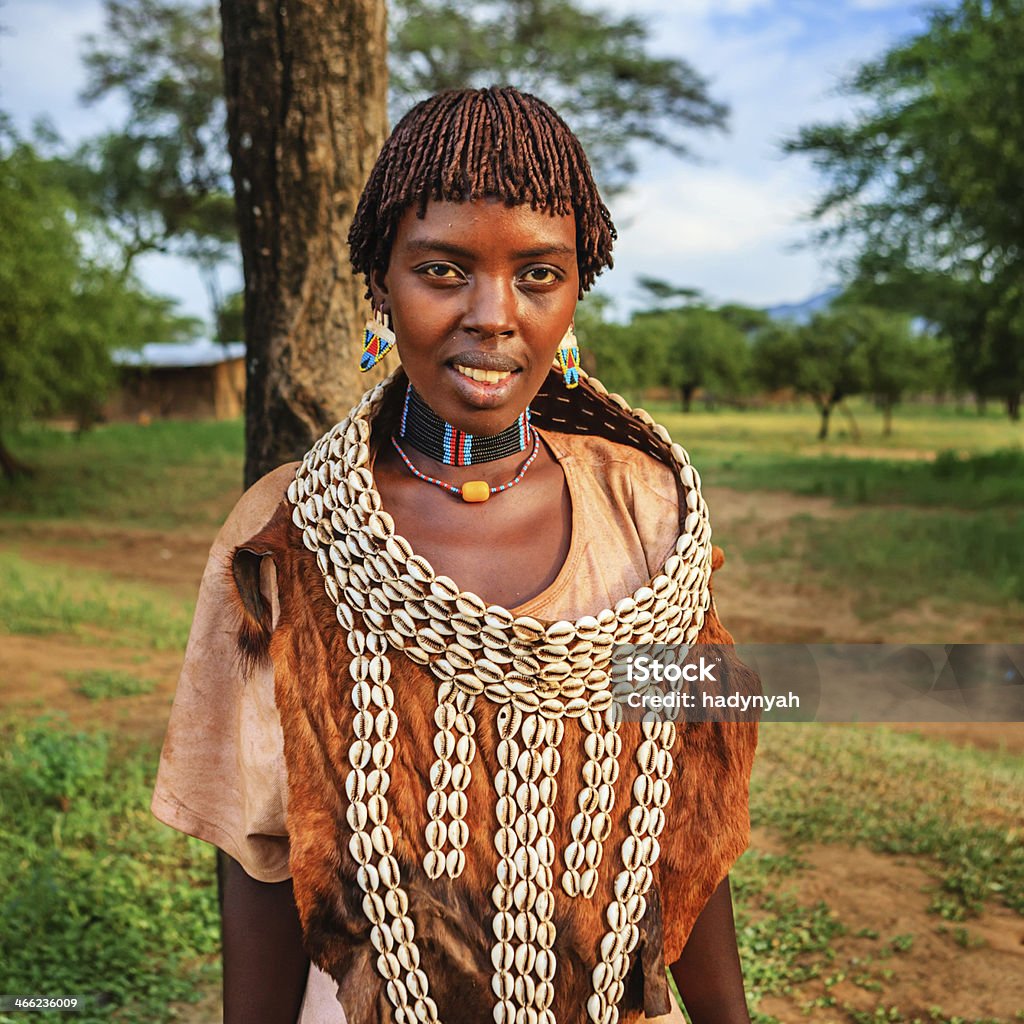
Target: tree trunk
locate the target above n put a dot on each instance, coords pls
(1013, 406)
(826, 411)
(887, 419)
(687, 394)
(306, 87)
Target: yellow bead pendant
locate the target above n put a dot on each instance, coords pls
(475, 490)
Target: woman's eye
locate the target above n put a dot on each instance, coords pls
(440, 271)
(540, 275)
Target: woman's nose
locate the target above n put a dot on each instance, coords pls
(491, 308)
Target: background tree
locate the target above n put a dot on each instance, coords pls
(928, 178)
(306, 118)
(824, 360)
(162, 182)
(699, 349)
(595, 67)
(896, 360)
(605, 347)
(62, 311)
(685, 348)
(658, 293)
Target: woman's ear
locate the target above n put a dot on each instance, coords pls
(379, 289)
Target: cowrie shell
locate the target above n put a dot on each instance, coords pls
(420, 569)
(527, 628)
(433, 864)
(360, 847)
(408, 956)
(455, 863)
(382, 839)
(502, 956)
(502, 983)
(469, 604)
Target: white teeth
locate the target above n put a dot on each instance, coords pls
(484, 376)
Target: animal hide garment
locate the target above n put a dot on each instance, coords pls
(471, 831)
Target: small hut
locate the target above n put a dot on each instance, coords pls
(197, 380)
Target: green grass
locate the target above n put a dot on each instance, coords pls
(40, 599)
(950, 481)
(895, 558)
(99, 899)
(104, 683)
(165, 474)
(713, 437)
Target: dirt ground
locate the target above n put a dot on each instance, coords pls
(978, 973)
(969, 972)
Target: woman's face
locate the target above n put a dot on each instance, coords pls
(480, 294)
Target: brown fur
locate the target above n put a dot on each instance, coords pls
(707, 815)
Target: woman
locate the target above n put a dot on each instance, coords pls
(472, 833)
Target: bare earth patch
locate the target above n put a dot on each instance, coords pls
(35, 672)
(173, 561)
(894, 953)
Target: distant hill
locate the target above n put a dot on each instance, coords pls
(801, 312)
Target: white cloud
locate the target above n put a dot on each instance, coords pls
(703, 211)
(700, 8)
(41, 69)
(876, 5)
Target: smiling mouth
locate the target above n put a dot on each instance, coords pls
(483, 376)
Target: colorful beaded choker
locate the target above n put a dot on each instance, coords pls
(432, 436)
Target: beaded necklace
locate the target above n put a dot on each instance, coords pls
(471, 490)
(541, 676)
(433, 436)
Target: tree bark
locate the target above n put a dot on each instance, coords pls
(306, 87)
(826, 411)
(1013, 406)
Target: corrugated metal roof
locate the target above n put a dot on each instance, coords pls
(166, 354)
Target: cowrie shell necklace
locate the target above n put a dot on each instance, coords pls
(540, 674)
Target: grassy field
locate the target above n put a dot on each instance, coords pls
(936, 509)
(100, 900)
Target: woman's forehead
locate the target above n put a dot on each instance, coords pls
(489, 222)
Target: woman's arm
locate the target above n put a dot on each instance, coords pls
(265, 966)
(708, 973)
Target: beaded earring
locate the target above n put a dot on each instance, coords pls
(569, 358)
(378, 340)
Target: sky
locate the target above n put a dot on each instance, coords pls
(732, 224)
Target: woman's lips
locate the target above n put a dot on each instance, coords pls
(485, 393)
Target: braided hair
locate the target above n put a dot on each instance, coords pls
(468, 144)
